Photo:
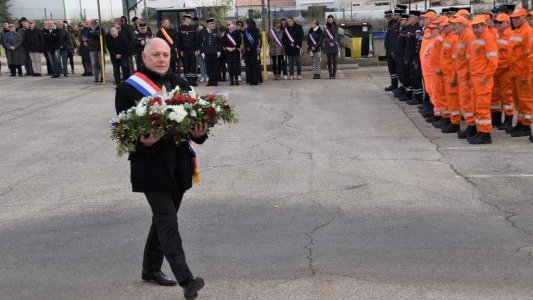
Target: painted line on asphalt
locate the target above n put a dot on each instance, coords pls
(487, 147)
(496, 175)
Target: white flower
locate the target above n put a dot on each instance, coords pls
(217, 108)
(140, 110)
(192, 93)
(158, 108)
(202, 102)
(122, 115)
(193, 113)
(178, 113)
(175, 90)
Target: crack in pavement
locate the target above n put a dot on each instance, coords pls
(311, 243)
(508, 214)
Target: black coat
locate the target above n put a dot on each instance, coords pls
(252, 46)
(64, 39)
(173, 34)
(93, 38)
(188, 38)
(318, 36)
(51, 39)
(33, 40)
(210, 42)
(297, 33)
(233, 56)
(163, 166)
(118, 45)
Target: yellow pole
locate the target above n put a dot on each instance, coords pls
(264, 43)
(102, 57)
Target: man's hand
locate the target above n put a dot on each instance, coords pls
(181, 53)
(196, 53)
(143, 42)
(331, 44)
(218, 54)
(12, 47)
(151, 139)
(199, 130)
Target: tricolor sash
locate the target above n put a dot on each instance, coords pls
(330, 36)
(312, 39)
(143, 84)
(231, 40)
(289, 36)
(166, 36)
(275, 37)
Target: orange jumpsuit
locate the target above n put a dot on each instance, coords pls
(439, 96)
(427, 73)
(502, 92)
(530, 63)
(462, 61)
(483, 64)
(518, 65)
(447, 66)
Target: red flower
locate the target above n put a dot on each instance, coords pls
(168, 102)
(211, 98)
(155, 119)
(211, 112)
(156, 100)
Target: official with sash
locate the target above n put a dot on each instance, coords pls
(292, 41)
(277, 53)
(252, 52)
(331, 45)
(170, 35)
(162, 170)
(232, 43)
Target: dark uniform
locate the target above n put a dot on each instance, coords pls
(138, 43)
(188, 41)
(401, 63)
(233, 58)
(211, 46)
(388, 50)
(222, 57)
(173, 44)
(415, 75)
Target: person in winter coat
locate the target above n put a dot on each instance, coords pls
(33, 42)
(252, 50)
(292, 41)
(315, 39)
(14, 51)
(277, 53)
(64, 44)
(140, 37)
(83, 50)
(331, 45)
(231, 43)
(118, 47)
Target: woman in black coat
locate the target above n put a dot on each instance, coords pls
(231, 43)
(292, 40)
(252, 52)
(331, 45)
(315, 39)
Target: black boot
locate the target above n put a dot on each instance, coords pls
(232, 83)
(414, 101)
(507, 123)
(389, 88)
(514, 128)
(531, 138)
(191, 288)
(441, 123)
(158, 277)
(432, 119)
(496, 118)
(451, 128)
(469, 132)
(523, 130)
(480, 138)
(317, 76)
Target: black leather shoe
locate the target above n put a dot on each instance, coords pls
(470, 131)
(450, 128)
(159, 278)
(390, 88)
(190, 290)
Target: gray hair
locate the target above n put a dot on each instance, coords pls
(150, 42)
(113, 30)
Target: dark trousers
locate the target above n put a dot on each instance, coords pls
(253, 69)
(70, 56)
(27, 62)
(139, 60)
(174, 66)
(234, 71)
(277, 64)
(211, 63)
(15, 68)
(403, 72)
(285, 59)
(49, 67)
(222, 67)
(119, 64)
(391, 64)
(415, 75)
(164, 238)
(189, 64)
(332, 64)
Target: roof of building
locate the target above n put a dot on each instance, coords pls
(277, 3)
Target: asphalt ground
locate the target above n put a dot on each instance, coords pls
(326, 189)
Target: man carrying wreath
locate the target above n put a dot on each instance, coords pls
(162, 170)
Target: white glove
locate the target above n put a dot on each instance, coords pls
(203, 55)
(218, 54)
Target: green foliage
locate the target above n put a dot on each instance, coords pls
(4, 10)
